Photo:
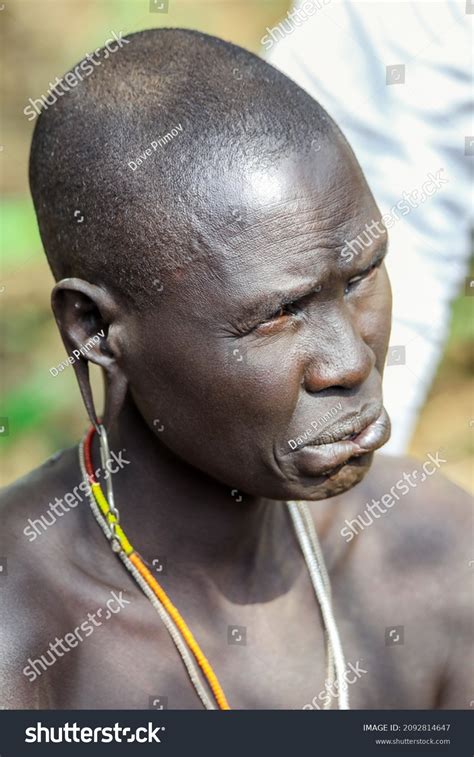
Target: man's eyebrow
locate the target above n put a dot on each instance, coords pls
(377, 256)
(269, 303)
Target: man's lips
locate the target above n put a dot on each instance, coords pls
(347, 428)
(321, 459)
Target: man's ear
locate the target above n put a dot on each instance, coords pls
(87, 318)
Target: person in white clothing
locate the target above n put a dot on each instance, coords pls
(396, 77)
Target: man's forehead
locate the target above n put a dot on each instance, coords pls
(269, 221)
(302, 203)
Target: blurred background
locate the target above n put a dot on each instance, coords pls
(39, 412)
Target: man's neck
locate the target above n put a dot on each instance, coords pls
(195, 526)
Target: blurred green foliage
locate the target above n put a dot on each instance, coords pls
(20, 236)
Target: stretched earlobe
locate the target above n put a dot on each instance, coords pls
(81, 369)
(115, 390)
(84, 312)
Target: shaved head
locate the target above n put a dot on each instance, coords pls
(141, 150)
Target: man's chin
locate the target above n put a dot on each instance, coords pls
(343, 478)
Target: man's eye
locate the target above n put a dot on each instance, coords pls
(352, 283)
(283, 312)
(277, 319)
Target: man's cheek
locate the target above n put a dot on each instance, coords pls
(378, 321)
(385, 322)
(379, 345)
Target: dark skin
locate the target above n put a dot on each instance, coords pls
(211, 468)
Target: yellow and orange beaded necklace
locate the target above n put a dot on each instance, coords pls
(107, 516)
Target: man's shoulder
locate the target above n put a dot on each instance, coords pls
(399, 550)
(404, 518)
(417, 490)
(29, 577)
(55, 570)
(30, 497)
(415, 524)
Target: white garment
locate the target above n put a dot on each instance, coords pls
(400, 133)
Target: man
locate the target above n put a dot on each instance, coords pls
(243, 357)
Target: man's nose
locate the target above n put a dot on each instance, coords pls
(337, 357)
